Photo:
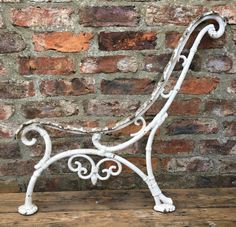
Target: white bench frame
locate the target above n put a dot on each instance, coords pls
(109, 153)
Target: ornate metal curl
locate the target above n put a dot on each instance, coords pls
(30, 142)
(83, 172)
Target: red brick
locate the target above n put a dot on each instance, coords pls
(17, 168)
(9, 150)
(231, 89)
(130, 129)
(16, 89)
(42, 17)
(215, 147)
(178, 107)
(218, 63)
(193, 126)
(139, 162)
(110, 108)
(220, 107)
(73, 87)
(112, 41)
(109, 64)
(173, 146)
(127, 86)
(109, 16)
(227, 165)
(172, 39)
(47, 109)
(58, 147)
(172, 13)
(6, 111)
(62, 41)
(46, 65)
(229, 128)
(11, 42)
(6, 131)
(194, 164)
(195, 85)
(228, 11)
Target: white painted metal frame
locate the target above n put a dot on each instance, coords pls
(108, 153)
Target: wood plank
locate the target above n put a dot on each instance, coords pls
(119, 200)
(138, 218)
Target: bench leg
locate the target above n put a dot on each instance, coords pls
(28, 208)
(162, 203)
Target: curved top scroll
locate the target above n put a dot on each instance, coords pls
(159, 87)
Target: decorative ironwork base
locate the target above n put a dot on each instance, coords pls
(109, 153)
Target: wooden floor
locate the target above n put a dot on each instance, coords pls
(195, 207)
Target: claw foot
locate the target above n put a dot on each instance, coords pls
(27, 210)
(165, 200)
(164, 208)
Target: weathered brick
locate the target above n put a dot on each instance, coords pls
(192, 126)
(6, 131)
(6, 111)
(230, 128)
(110, 108)
(42, 17)
(172, 13)
(178, 107)
(217, 63)
(16, 89)
(227, 165)
(231, 89)
(58, 147)
(139, 162)
(109, 64)
(109, 16)
(46, 65)
(17, 168)
(11, 42)
(73, 87)
(195, 85)
(172, 39)
(62, 182)
(203, 181)
(46, 109)
(111, 41)
(127, 131)
(62, 41)
(2, 25)
(193, 164)
(215, 147)
(220, 107)
(228, 11)
(2, 69)
(173, 146)
(127, 86)
(9, 186)
(157, 63)
(9, 150)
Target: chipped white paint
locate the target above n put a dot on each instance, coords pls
(162, 203)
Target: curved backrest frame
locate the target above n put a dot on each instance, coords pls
(160, 87)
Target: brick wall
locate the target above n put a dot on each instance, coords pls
(90, 63)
